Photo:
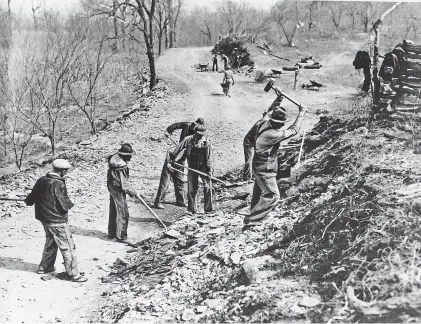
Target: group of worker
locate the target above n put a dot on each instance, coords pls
(261, 144)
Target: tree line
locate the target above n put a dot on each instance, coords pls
(53, 65)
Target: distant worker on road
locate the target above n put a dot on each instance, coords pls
(228, 79)
(198, 151)
(215, 63)
(225, 61)
(118, 186)
(269, 135)
(187, 128)
(52, 204)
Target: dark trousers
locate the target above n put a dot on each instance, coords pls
(265, 196)
(248, 161)
(193, 188)
(164, 182)
(215, 64)
(118, 220)
(58, 236)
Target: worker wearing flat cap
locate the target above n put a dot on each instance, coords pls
(198, 151)
(269, 136)
(52, 204)
(118, 186)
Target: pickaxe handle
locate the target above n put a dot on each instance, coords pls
(149, 208)
(171, 140)
(201, 173)
(12, 199)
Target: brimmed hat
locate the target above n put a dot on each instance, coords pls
(200, 121)
(126, 149)
(61, 164)
(200, 129)
(278, 115)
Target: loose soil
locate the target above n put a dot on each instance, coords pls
(24, 297)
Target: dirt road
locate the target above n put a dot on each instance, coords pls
(24, 297)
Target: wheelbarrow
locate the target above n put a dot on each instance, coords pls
(204, 67)
(276, 72)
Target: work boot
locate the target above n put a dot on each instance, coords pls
(159, 206)
(42, 271)
(181, 204)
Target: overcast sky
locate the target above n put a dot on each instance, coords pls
(62, 5)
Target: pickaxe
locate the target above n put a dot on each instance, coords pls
(270, 85)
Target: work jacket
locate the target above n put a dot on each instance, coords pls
(49, 195)
(267, 144)
(118, 173)
(187, 129)
(199, 154)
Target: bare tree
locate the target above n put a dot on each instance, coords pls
(257, 22)
(35, 7)
(336, 12)
(83, 82)
(162, 19)
(234, 14)
(288, 15)
(174, 7)
(47, 81)
(368, 11)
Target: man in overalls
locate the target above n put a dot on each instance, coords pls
(198, 151)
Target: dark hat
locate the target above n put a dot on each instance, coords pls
(200, 129)
(279, 115)
(126, 149)
(200, 121)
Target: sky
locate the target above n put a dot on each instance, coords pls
(64, 5)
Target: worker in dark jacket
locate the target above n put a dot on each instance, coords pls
(269, 135)
(170, 171)
(215, 63)
(51, 208)
(198, 151)
(118, 186)
(249, 141)
(187, 128)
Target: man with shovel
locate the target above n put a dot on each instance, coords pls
(51, 208)
(118, 186)
(269, 135)
(198, 151)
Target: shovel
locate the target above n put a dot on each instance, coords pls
(226, 184)
(12, 199)
(171, 233)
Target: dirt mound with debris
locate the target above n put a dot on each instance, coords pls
(342, 244)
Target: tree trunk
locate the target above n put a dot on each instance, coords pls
(152, 68)
(160, 44)
(166, 37)
(115, 26)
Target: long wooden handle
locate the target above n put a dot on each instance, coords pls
(12, 199)
(153, 213)
(301, 148)
(201, 173)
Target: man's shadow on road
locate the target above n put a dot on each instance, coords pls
(17, 264)
(89, 232)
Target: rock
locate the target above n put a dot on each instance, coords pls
(235, 257)
(308, 301)
(172, 234)
(297, 310)
(187, 315)
(215, 304)
(87, 142)
(170, 252)
(201, 309)
(249, 272)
